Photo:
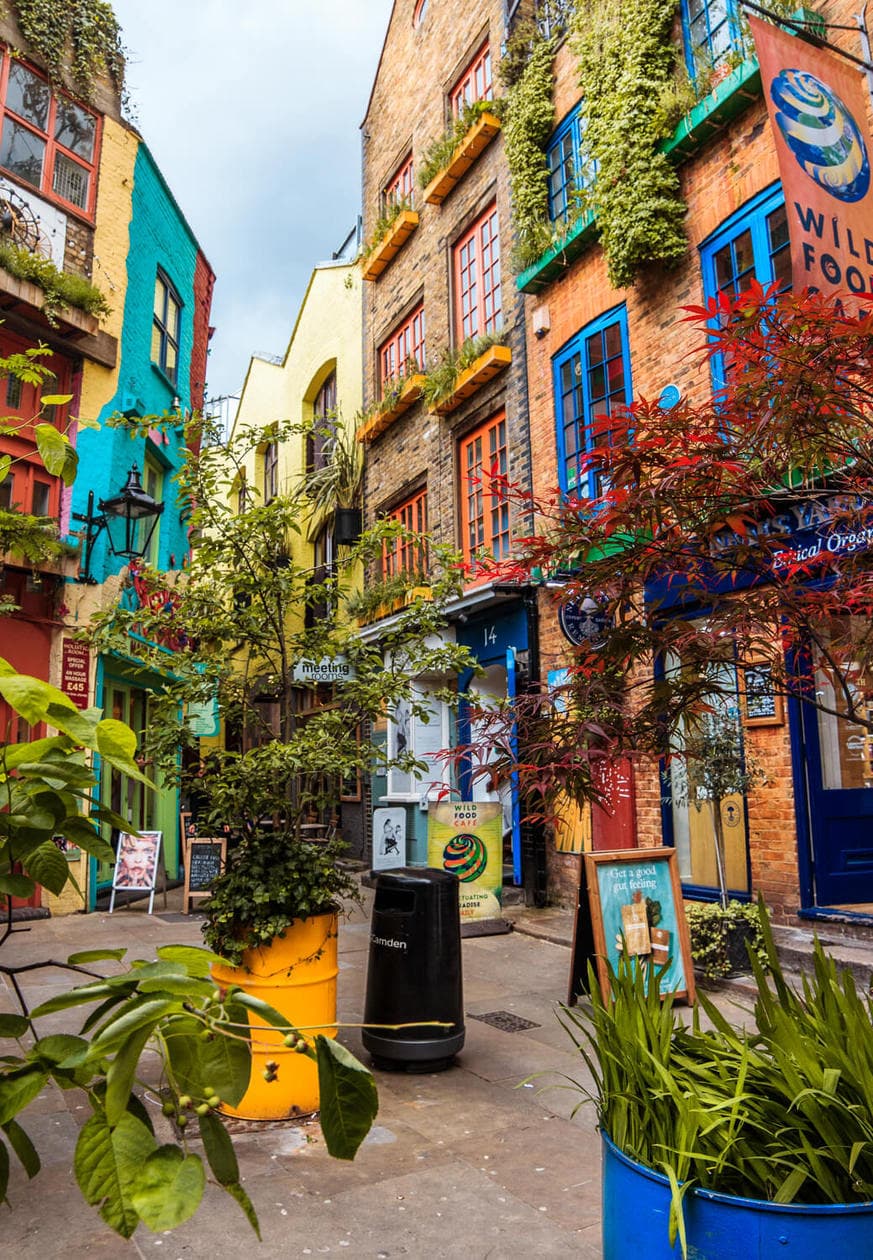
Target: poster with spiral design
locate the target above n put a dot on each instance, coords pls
(818, 113)
(466, 838)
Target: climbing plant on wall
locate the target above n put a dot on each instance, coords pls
(526, 71)
(626, 59)
(77, 39)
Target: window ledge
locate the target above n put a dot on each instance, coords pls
(475, 141)
(558, 257)
(396, 605)
(390, 245)
(378, 423)
(484, 369)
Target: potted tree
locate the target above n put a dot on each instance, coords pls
(731, 1141)
(271, 644)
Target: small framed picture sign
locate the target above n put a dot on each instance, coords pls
(762, 701)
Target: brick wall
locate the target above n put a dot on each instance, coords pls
(720, 178)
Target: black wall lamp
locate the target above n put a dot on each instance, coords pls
(129, 519)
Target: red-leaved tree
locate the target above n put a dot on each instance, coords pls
(734, 532)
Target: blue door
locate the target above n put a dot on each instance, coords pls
(839, 763)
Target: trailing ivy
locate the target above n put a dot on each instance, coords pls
(86, 30)
(528, 120)
(61, 288)
(626, 59)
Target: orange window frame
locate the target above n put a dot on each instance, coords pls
(475, 84)
(400, 186)
(485, 520)
(53, 147)
(405, 345)
(405, 556)
(478, 294)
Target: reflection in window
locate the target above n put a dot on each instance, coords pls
(165, 327)
(846, 747)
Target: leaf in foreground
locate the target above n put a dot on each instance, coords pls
(106, 1164)
(349, 1101)
(169, 1187)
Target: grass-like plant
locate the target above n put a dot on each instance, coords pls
(385, 222)
(442, 377)
(438, 154)
(779, 1111)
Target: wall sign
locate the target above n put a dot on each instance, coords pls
(762, 703)
(76, 672)
(330, 669)
(389, 839)
(583, 622)
(635, 901)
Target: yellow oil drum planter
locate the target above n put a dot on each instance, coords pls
(296, 974)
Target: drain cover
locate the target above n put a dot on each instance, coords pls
(506, 1021)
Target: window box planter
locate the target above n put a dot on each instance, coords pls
(558, 258)
(396, 605)
(484, 369)
(378, 423)
(391, 244)
(475, 141)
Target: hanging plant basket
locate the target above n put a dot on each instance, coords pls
(347, 525)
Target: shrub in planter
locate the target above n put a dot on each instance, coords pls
(721, 937)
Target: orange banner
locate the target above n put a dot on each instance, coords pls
(818, 112)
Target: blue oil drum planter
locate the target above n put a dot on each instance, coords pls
(636, 1218)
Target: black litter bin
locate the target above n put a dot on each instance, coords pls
(415, 970)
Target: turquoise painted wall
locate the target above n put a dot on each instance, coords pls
(159, 237)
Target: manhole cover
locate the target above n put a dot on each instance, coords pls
(506, 1021)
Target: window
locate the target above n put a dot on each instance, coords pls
(242, 496)
(477, 278)
(324, 412)
(751, 245)
(165, 328)
(318, 602)
(271, 471)
(153, 484)
(474, 84)
(48, 141)
(400, 186)
(484, 511)
(407, 557)
(418, 13)
(592, 383)
(711, 34)
(403, 351)
(569, 169)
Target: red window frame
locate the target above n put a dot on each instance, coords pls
(53, 146)
(419, 12)
(400, 186)
(404, 557)
(405, 343)
(479, 303)
(485, 524)
(475, 84)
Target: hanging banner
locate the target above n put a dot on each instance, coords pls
(818, 113)
(466, 838)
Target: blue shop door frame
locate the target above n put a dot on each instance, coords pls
(495, 638)
(839, 778)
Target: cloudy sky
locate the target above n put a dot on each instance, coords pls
(252, 111)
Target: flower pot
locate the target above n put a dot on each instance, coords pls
(296, 974)
(636, 1215)
(347, 526)
(736, 936)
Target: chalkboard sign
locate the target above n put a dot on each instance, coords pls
(204, 862)
(635, 900)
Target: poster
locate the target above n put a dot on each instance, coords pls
(636, 906)
(137, 864)
(818, 114)
(466, 838)
(389, 839)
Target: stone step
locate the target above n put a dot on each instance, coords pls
(795, 948)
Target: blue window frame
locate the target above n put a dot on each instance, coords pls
(751, 245)
(711, 32)
(569, 169)
(592, 382)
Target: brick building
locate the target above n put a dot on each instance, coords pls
(592, 347)
(438, 284)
